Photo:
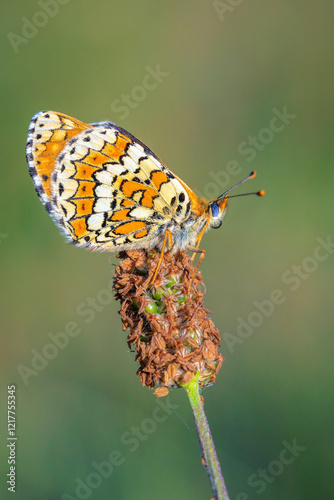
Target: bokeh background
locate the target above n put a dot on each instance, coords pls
(225, 70)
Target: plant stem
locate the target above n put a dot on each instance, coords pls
(206, 441)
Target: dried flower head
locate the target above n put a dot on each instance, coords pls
(173, 337)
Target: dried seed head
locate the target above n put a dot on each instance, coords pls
(169, 327)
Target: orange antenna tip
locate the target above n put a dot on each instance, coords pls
(250, 176)
(261, 193)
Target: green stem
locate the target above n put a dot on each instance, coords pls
(206, 441)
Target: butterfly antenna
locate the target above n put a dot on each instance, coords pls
(250, 176)
(258, 193)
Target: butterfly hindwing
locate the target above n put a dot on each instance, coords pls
(105, 188)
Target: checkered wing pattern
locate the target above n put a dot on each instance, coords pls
(102, 186)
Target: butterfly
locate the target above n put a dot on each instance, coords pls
(107, 191)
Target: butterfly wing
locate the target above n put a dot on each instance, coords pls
(105, 188)
(47, 136)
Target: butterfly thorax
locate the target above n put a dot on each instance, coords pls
(185, 233)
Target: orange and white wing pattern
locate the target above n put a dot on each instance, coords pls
(103, 187)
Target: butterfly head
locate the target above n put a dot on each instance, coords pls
(217, 212)
(217, 208)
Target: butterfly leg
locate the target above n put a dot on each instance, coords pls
(197, 250)
(168, 236)
(194, 250)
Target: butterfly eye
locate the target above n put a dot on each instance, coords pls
(214, 210)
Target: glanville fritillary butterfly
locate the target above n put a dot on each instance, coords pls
(107, 191)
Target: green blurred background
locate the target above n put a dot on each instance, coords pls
(226, 67)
